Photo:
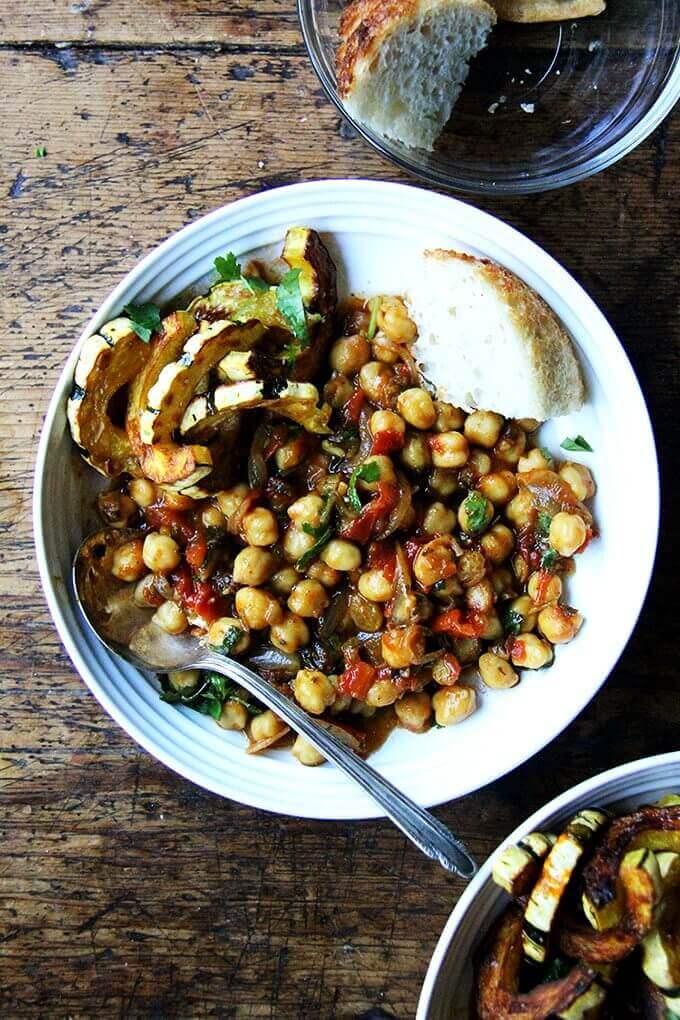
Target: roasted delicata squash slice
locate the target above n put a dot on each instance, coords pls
(517, 867)
(497, 991)
(297, 401)
(109, 361)
(661, 947)
(589, 1005)
(165, 348)
(641, 881)
(653, 827)
(555, 876)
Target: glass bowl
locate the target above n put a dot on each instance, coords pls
(545, 105)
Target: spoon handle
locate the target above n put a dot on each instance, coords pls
(422, 828)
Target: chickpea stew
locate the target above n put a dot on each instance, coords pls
(304, 502)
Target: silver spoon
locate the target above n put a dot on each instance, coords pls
(127, 630)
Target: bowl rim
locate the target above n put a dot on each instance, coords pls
(557, 805)
(662, 106)
(468, 220)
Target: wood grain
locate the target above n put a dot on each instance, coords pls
(125, 891)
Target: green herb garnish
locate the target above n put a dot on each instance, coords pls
(476, 511)
(578, 443)
(547, 455)
(549, 559)
(543, 522)
(289, 303)
(40, 152)
(322, 532)
(512, 621)
(210, 695)
(369, 472)
(231, 638)
(228, 268)
(374, 305)
(145, 319)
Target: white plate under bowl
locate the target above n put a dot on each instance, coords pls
(448, 983)
(375, 232)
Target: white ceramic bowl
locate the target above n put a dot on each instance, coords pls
(448, 982)
(375, 231)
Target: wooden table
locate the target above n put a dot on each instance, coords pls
(124, 890)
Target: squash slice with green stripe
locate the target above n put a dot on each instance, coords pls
(661, 948)
(109, 361)
(517, 867)
(294, 400)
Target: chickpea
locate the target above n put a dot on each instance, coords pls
(524, 607)
(417, 407)
(496, 672)
(511, 444)
(142, 491)
(519, 510)
(342, 702)
(394, 321)
(306, 510)
(447, 589)
(257, 608)
(443, 482)
(559, 624)
(115, 508)
(291, 454)
(254, 566)
(284, 580)
(498, 543)
(375, 586)
(403, 646)
(384, 350)
(446, 670)
(453, 704)
(290, 634)
(467, 650)
(338, 390)
(414, 711)
(479, 463)
(308, 598)
(483, 428)
(266, 726)
(170, 618)
(223, 629)
(498, 486)
(449, 449)
(230, 500)
(542, 591)
(306, 753)
(493, 628)
(480, 596)
(362, 709)
(379, 383)
(349, 354)
(535, 460)
(313, 691)
(449, 418)
(382, 693)
(567, 533)
(147, 593)
(503, 583)
(386, 421)
(530, 652)
(386, 475)
(471, 567)
(234, 716)
(434, 561)
(320, 571)
(475, 513)
(128, 560)
(212, 517)
(341, 555)
(528, 424)
(296, 543)
(579, 480)
(365, 615)
(260, 527)
(184, 679)
(161, 553)
(415, 453)
(520, 568)
(438, 519)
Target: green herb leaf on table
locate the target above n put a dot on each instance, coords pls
(374, 305)
(549, 559)
(289, 303)
(476, 511)
(40, 152)
(145, 319)
(512, 621)
(578, 443)
(366, 473)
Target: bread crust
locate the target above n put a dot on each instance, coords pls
(364, 24)
(534, 11)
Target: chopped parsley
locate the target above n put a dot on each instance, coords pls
(547, 456)
(231, 638)
(578, 443)
(145, 319)
(209, 696)
(369, 472)
(512, 621)
(476, 510)
(549, 559)
(228, 269)
(543, 521)
(289, 303)
(374, 305)
(40, 152)
(323, 533)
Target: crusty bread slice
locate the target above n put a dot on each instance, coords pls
(401, 63)
(546, 10)
(487, 340)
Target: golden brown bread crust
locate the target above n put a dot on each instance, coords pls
(546, 10)
(362, 24)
